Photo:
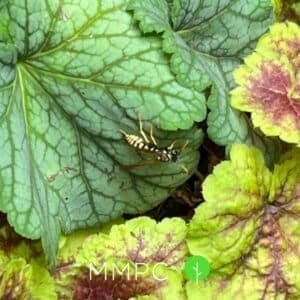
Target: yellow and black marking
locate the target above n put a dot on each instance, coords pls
(138, 142)
(143, 143)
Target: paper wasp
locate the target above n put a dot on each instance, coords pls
(144, 144)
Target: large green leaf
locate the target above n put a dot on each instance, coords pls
(72, 74)
(207, 40)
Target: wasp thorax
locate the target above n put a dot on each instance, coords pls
(165, 155)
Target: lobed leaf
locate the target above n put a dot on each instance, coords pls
(248, 229)
(139, 259)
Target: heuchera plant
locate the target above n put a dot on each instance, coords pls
(73, 73)
(269, 83)
(22, 269)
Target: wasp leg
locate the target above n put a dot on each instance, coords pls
(138, 165)
(141, 129)
(151, 136)
(185, 169)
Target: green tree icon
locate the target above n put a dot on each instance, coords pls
(196, 268)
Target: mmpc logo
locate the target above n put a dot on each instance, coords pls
(131, 271)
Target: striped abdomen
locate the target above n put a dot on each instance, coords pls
(138, 142)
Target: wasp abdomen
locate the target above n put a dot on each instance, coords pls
(136, 142)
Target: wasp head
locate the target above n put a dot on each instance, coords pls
(174, 154)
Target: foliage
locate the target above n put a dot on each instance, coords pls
(76, 75)
(146, 261)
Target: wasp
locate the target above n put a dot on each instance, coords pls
(150, 145)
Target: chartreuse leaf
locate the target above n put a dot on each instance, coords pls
(207, 40)
(140, 259)
(22, 271)
(248, 229)
(269, 83)
(72, 75)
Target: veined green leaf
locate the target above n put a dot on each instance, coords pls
(72, 75)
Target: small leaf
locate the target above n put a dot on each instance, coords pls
(269, 85)
(248, 229)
